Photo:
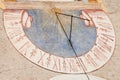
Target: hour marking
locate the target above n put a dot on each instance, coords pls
(24, 47)
(98, 53)
(104, 45)
(19, 38)
(64, 65)
(14, 33)
(104, 30)
(82, 65)
(48, 60)
(72, 65)
(107, 47)
(59, 63)
(10, 17)
(55, 64)
(33, 52)
(106, 25)
(8, 13)
(41, 58)
(90, 60)
(105, 39)
(13, 18)
(109, 36)
(78, 65)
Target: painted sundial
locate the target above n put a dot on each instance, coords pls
(66, 41)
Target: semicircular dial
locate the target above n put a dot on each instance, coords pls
(62, 41)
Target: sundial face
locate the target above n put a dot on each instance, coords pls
(46, 33)
(38, 35)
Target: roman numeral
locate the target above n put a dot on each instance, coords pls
(33, 52)
(90, 60)
(104, 45)
(41, 58)
(48, 60)
(14, 34)
(108, 36)
(24, 47)
(55, 64)
(72, 65)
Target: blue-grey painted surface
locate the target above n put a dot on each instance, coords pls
(47, 34)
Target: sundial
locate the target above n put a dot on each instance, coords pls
(61, 36)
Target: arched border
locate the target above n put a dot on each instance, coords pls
(12, 22)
